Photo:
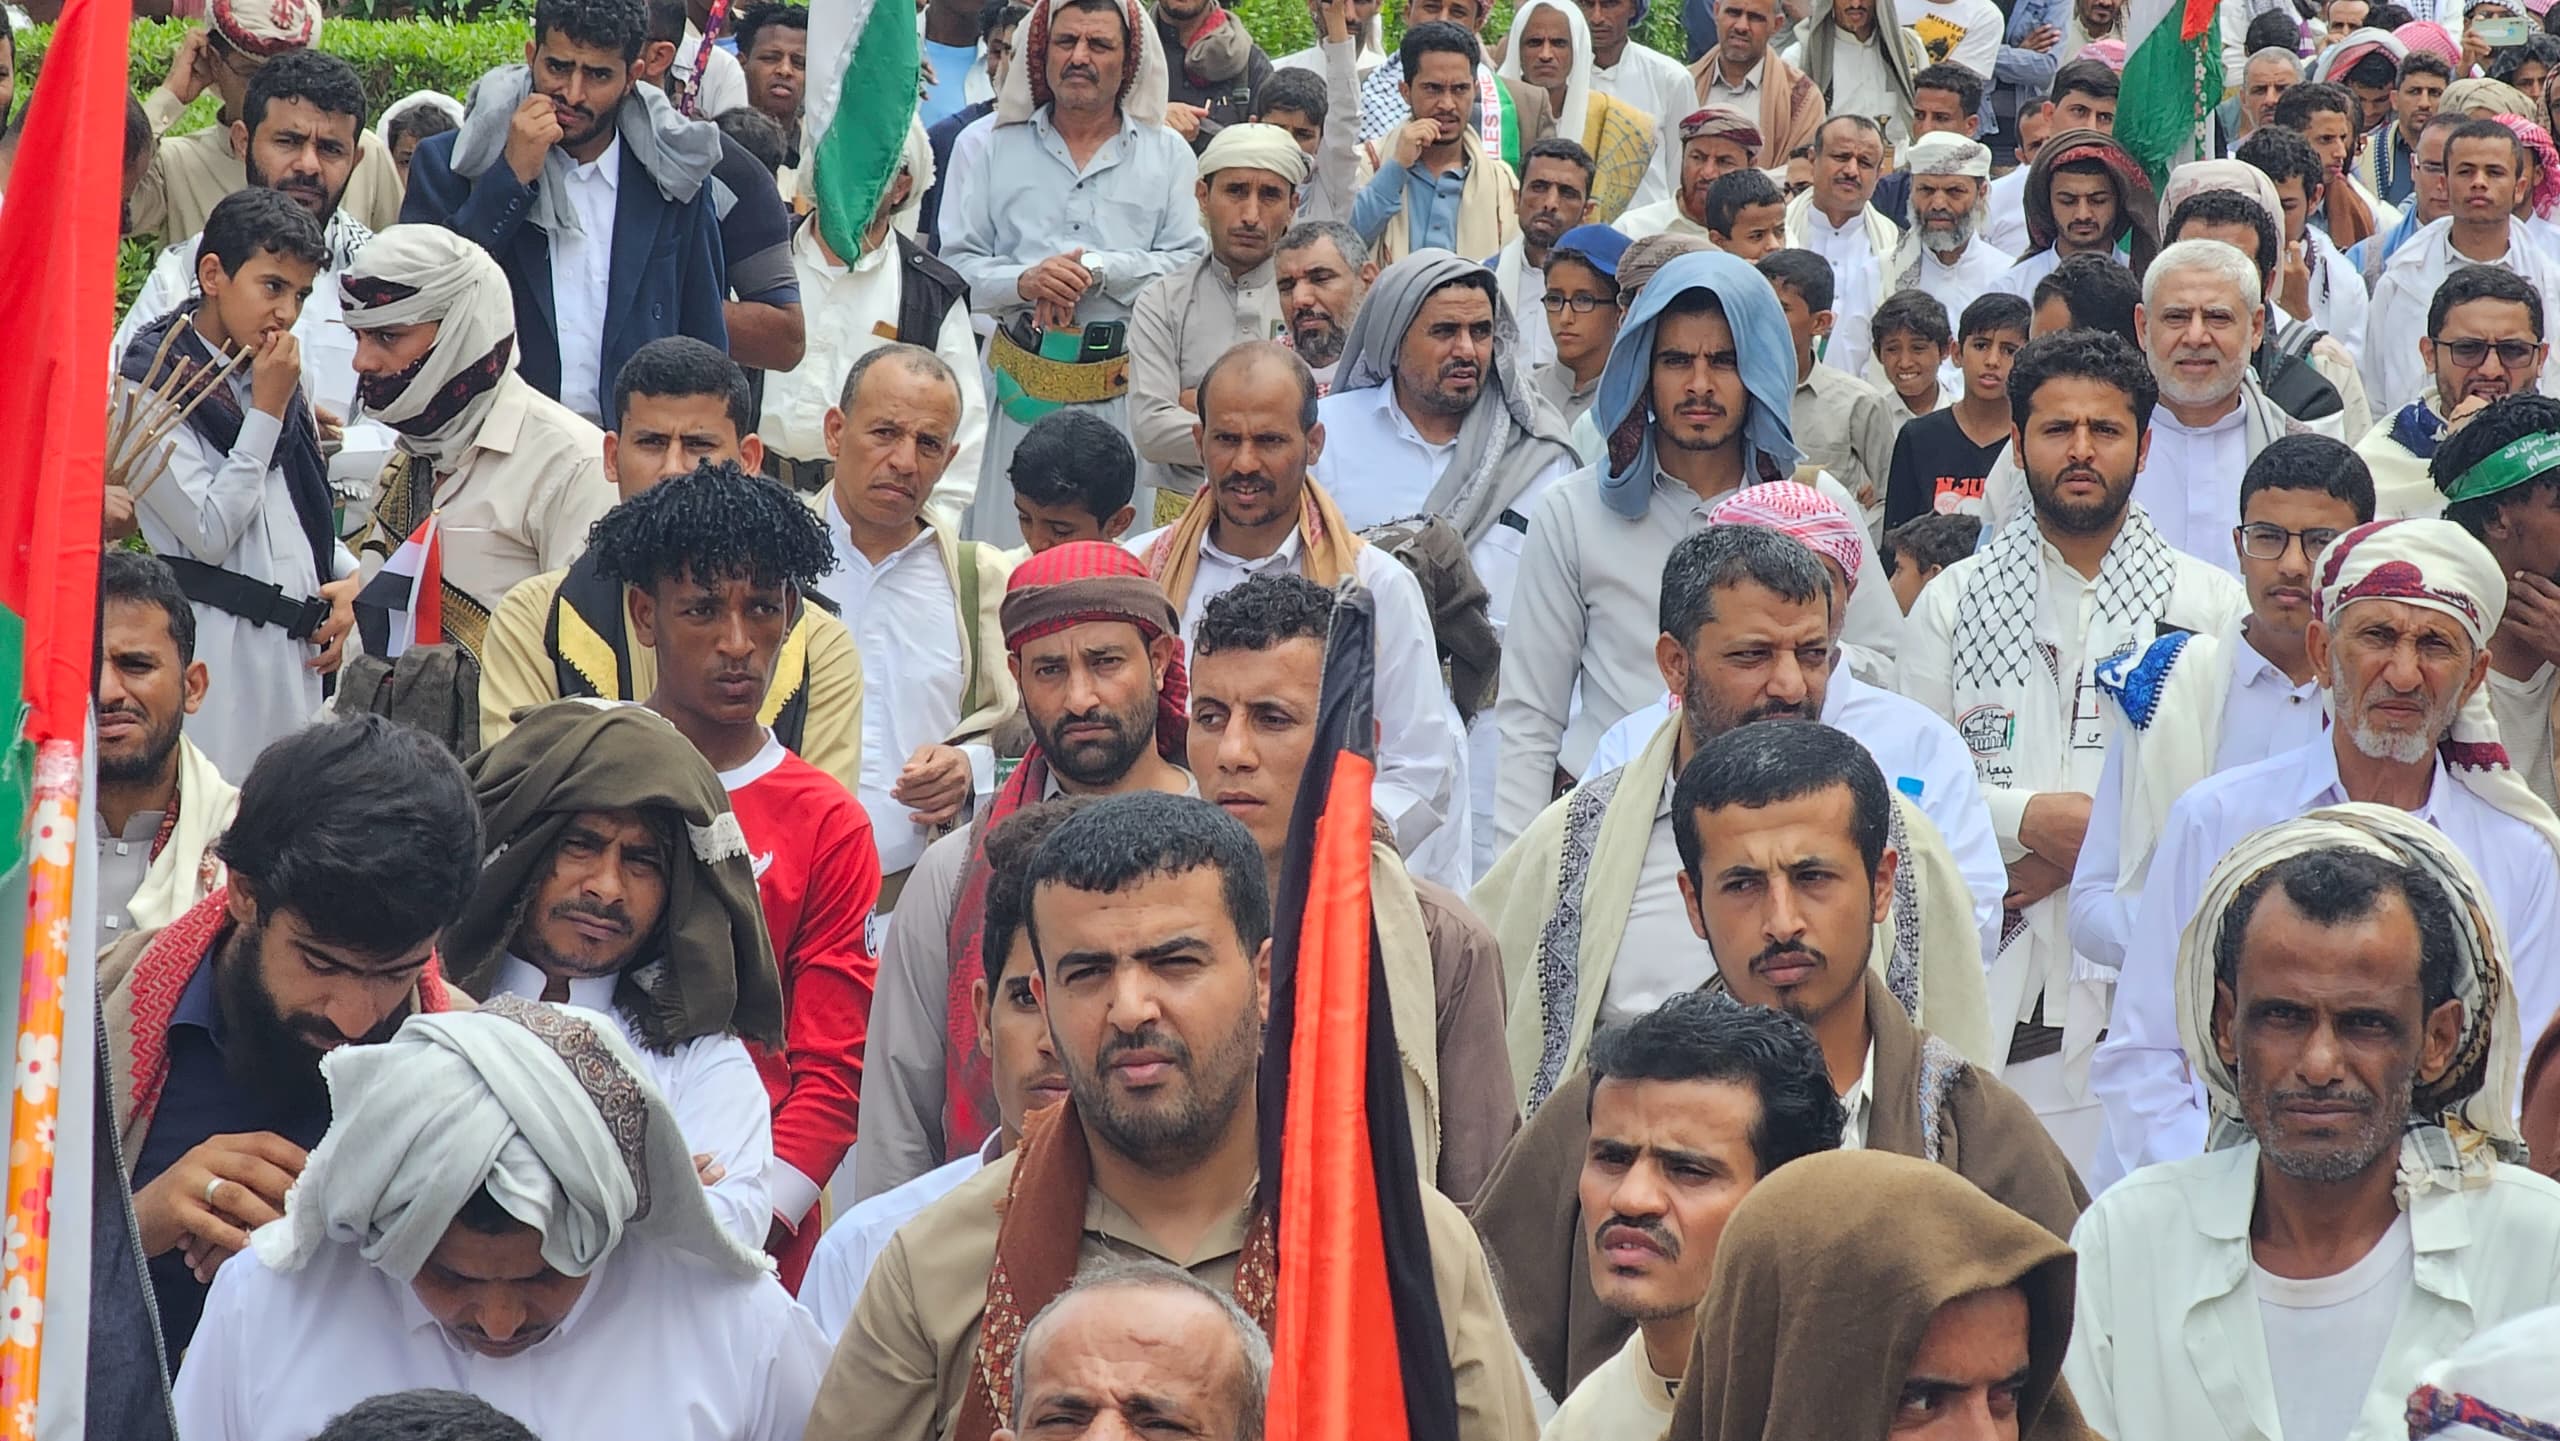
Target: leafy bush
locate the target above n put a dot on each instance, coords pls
(1283, 26)
(394, 56)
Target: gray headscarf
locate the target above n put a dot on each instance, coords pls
(678, 153)
(1513, 434)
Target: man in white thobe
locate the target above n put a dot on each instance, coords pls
(2415, 736)
(1834, 221)
(2483, 171)
(503, 1205)
(1945, 254)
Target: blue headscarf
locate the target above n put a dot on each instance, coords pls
(1760, 337)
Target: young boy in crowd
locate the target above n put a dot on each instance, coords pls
(1915, 551)
(1746, 216)
(1940, 459)
(1072, 477)
(1912, 347)
(1840, 420)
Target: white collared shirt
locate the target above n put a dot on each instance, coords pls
(1860, 1104)
(841, 1265)
(710, 1083)
(658, 1344)
(2155, 1107)
(582, 279)
(2263, 713)
(906, 622)
(1855, 285)
(2190, 483)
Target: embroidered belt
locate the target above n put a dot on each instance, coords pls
(1029, 386)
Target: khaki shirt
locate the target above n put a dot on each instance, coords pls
(911, 1348)
(517, 671)
(189, 174)
(1182, 323)
(1842, 425)
(524, 496)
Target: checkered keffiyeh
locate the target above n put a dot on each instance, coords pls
(1996, 617)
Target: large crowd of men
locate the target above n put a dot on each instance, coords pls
(688, 823)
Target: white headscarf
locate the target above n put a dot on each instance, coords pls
(426, 274)
(416, 100)
(2464, 1120)
(1144, 80)
(2505, 1375)
(1576, 110)
(1255, 147)
(545, 1108)
(1942, 152)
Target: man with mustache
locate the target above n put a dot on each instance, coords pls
(1096, 651)
(2084, 195)
(1438, 412)
(1149, 922)
(215, 1023)
(2347, 1003)
(2502, 505)
(300, 119)
(593, 896)
(1691, 1105)
(2191, 705)
(593, 195)
(2484, 166)
(1248, 190)
(1322, 272)
(1862, 58)
(187, 175)
(2095, 20)
(1835, 221)
(2484, 341)
(1071, 203)
(513, 477)
(1259, 661)
(1430, 183)
(1712, 144)
(2005, 644)
(1262, 511)
(2400, 640)
(1022, 1072)
(1745, 74)
(161, 803)
(1790, 859)
(1945, 255)
(718, 563)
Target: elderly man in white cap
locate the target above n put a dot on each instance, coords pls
(1249, 179)
(513, 477)
(2399, 637)
(1945, 254)
(2344, 999)
(504, 1206)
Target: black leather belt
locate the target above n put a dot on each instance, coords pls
(255, 601)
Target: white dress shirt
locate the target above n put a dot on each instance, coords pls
(1862, 84)
(1422, 782)
(658, 1344)
(906, 623)
(582, 279)
(1959, 284)
(1658, 85)
(2006, 206)
(721, 84)
(848, 308)
(2190, 482)
(2155, 1107)
(1921, 756)
(1525, 286)
(711, 1084)
(2263, 713)
(841, 1265)
(1855, 284)
(1859, 1106)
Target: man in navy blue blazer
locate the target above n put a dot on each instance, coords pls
(593, 194)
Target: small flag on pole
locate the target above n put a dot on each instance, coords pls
(1358, 1349)
(403, 605)
(864, 66)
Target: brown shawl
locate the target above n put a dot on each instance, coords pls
(1326, 542)
(1791, 107)
(1826, 1279)
(1037, 1244)
(1530, 1213)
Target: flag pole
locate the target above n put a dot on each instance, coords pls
(35, 1097)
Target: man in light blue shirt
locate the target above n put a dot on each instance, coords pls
(1423, 173)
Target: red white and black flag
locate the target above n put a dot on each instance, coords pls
(1358, 1346)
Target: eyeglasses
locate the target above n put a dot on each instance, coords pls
(1578, 304)
(2513, 354)
(2263, 541)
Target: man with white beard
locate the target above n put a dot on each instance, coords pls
(2400, 636)
(1945, 254)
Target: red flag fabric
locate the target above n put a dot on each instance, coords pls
(60, 225)
(1358, 1350)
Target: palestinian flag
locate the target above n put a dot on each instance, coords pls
(58, 249)
(1358, 1349)
(2172, 83)
(864, 67)
(403, 605)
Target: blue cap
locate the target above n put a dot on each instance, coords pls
(1602, 243)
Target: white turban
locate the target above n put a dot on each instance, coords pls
(2506, 1375)
(1255, 147)
(427, 275)
(2464, 1119)
(1941, 152)
(547, 1109)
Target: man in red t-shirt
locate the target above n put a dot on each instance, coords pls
(719, 563)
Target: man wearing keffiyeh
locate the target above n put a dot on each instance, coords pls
(2345, 1003)
(2086, 194)
(1097, 650)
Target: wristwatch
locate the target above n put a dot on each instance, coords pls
(1093, 267)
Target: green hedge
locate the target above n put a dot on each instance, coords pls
(394, 56)
(1283, 26)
